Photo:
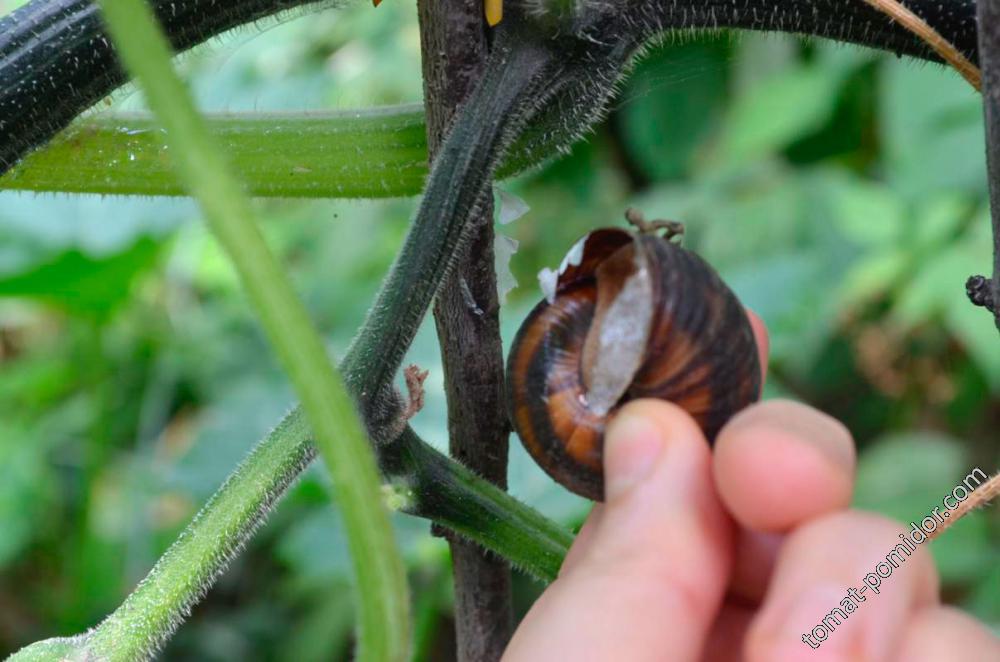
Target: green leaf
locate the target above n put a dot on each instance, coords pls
(984, 602)
(932, 132)
(874, 275)
(778, 110)
(83, 284)
(935, 286)
(905, 476)
(671, 103)
(26, 483)
(866, 212)
(939, 219)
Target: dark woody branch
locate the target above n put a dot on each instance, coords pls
(467, 314)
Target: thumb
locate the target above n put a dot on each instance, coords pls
(647, 581)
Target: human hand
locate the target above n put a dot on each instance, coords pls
(736, 554)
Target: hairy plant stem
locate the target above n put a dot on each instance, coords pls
(918, 26)
(381, 591)
(520, 70)
(368, 153)
(467, 314)
(427, 484)
(989, 53)
(56, 60)
(445, 492)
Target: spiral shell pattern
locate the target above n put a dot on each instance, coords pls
(697, 350)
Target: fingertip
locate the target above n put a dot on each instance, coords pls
(637, 438)
(780, 463)
(649, 508)
(663, 549)
(830, 564)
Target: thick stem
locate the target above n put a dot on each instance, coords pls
(519, 70)
(370, 153)
(56, 60)
(989, 54)
(467, 313)
(522, 69)
(449, 494)
(381, 591)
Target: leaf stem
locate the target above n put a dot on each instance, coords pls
(522, 72)
(381, 591)
(368, 153)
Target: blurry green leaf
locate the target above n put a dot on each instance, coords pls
(778, 110)
(325, 631)
(671, 102)
(83, 284)
(978, 334)
(873, 275)
(866, 212)
(931, 128)
(905, 476)
(937, 282)
(984, 602)
(25, 483)
(316, 547)
(226, 432)
(938, 219)
(965, 552)
(760, 56)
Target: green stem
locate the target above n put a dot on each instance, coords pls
(382, 598)
(369, 153)
(514, 80)
(441, 490)
(520, 74)
(375, 153)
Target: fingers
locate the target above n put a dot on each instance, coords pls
(780, 463)
(652, 575)
(776, 465)
(584, 537)
(945, 633)
(843, 588)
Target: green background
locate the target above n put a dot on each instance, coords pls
(840, 192)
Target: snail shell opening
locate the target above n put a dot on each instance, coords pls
(630, 316)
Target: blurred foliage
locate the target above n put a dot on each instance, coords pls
(841, 193)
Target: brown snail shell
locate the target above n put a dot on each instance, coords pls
(628, 316)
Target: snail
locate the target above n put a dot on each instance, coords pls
(628, 315)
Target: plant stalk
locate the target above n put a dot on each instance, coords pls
(989, 56)
(522, 69)
(368, 153)
(381, 594)
(467, 315)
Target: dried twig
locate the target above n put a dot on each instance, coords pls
(932, 37)
(983, 494)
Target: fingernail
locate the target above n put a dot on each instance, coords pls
(633, 446)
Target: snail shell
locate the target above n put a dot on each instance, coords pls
(627, 316)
